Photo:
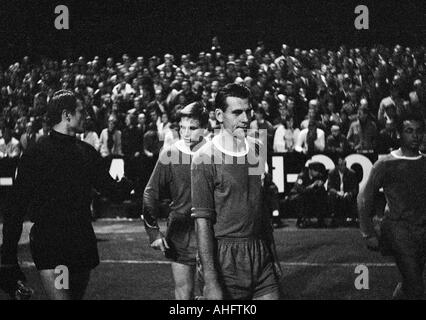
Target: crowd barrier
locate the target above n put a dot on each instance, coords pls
(285, 167)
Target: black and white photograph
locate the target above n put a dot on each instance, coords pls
(234, 151)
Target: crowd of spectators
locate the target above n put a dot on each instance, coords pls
(310, 101)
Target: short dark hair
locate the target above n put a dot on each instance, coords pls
(195, 111)
(231, 90)
(61, 100)
(406, 116)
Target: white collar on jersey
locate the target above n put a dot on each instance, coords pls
(217, 144)
(181, 145)
(394, 154)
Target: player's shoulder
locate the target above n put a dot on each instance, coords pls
(86, 147)
(382, 163)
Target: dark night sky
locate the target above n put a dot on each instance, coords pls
(148, 27)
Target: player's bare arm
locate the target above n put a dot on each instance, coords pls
(205, 238)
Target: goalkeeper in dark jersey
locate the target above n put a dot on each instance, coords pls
(54, 183)
(171, 178)
(402, 175)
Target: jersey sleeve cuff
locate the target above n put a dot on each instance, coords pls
(206, 213)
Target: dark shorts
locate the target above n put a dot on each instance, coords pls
(407, 244)
(73, 246)
(246, 269)
(182, 240)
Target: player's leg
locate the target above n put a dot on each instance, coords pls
(78, 283)
(275, 295)
(53, 286)
(267, 282)
(183, 276)
(406, 253)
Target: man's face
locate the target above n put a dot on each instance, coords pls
(236, 117)
(154, 116)
(190, 131)
(313, 173)
(215, 86)
(185, 86)
(412, 135)
(77, 119)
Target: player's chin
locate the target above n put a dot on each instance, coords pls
(415, 145)
(240, 132)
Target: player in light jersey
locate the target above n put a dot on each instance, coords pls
(171, 178)
(402, 175)
(233, 228)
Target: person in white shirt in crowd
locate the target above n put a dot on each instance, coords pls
(163, 127)
(9, 146)
(28, 138)
(312, 113)
(110, 139)
(44, 131)
(123, 89)
(90, 136)
(311, 140)
(286, 136)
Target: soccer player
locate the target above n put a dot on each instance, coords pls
(402, 175)
(53, 185)
(233, 228)
(172, 177)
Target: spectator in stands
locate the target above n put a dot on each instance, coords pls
(418, 97)
(90, 136)
(387, 139)
(260, 123)
(132, 146)
(308, 197)
(350, 108)
(110, 139)
(362, 133)
(9, 146)
(28, 138)
(393, 100)
(311, 140)
(337, 144)
(342, 187)
(312, 113)
(151, 142)
(44, 131)
(286, 136)
(142, 127)
(163, 128)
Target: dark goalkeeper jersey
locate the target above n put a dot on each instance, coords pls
(53, 185)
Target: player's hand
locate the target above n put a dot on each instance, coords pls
(372, 243)
(160, 244)
(212, 291)
(12, 281)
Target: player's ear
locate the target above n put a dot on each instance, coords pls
(219, 115)
(65, 115)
